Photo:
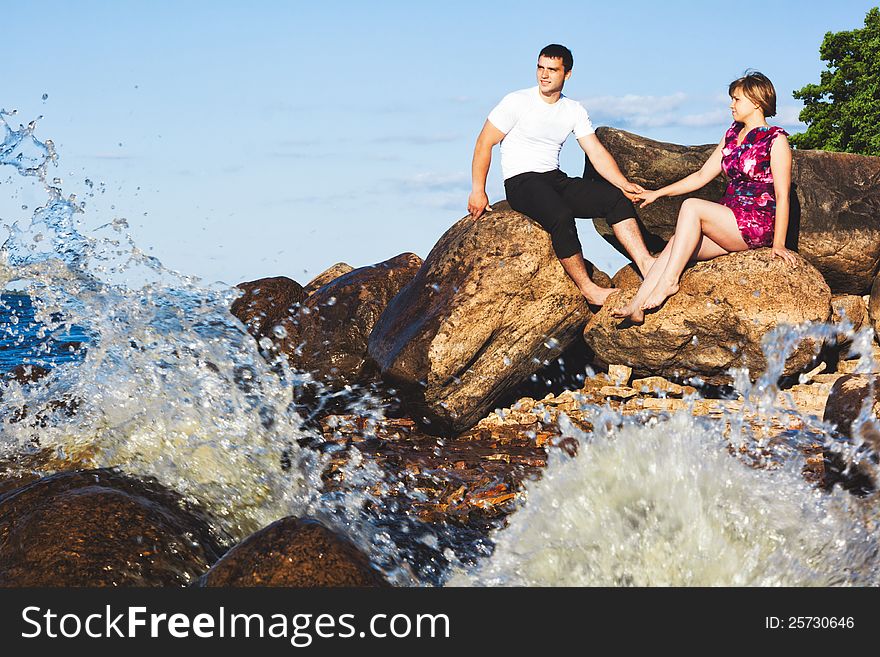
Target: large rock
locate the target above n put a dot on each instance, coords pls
(835, 214)
(100, 528)
(266, 302)
(328, 334)
(488, 307)
(294, 552)
(717, 320)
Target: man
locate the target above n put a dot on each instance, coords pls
(532, 125)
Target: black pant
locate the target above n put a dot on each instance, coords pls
(554, 200)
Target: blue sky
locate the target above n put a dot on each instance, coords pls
(248, 140)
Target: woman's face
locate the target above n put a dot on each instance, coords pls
(741, 106)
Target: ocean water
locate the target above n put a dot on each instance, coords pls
(170, 385)
(24, 342)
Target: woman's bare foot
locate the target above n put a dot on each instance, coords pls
(596, 295)
(659, 294)
(627, 310)
(637, 316)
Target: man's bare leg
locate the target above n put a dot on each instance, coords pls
(630, 237)
(576, 269)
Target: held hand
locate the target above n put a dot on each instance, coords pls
(632, 188)
(785, 254)
(478, 203)
(648, 197)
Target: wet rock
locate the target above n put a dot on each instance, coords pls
(265, 303)
(294, 552)
(849, 393)
(25, 373)
(845, 403)
(717, 320)
(466, 481)
(101, 528)
(328, 334)
(835, 217)
(331, 273)
(490, 305)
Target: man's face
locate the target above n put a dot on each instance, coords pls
(551, 74)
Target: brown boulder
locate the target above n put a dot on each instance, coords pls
(835, 221)
(843, 406)
(331, 273)
(850, 307)
(490, 305)
(626, 278)
(100, 528)
(265, 303)
(328, 334)
(717, 320)
(294, 552)
(845, 401)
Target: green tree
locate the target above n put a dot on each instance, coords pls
(842, 112)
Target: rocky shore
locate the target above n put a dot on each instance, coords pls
(453, 349)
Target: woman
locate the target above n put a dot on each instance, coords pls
(753, 211)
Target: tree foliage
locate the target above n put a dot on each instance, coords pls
(842, 112)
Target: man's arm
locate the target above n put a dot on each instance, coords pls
(697, 180)
(478, 202)
(605, 164)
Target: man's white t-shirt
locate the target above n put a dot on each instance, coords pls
(535, 131)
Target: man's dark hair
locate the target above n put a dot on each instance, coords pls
(555, 51)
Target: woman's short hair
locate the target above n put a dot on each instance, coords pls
(758, 88)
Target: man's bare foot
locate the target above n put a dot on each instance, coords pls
(659, 294)
(596, 296)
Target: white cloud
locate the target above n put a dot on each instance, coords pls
(632, 105)
(788, 116)
(675, 110)
(639, 112)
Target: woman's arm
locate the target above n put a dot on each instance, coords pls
(780, 167)
(695, 181)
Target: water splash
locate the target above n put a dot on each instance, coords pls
(663, 500)
(665, 505)
(168, 383)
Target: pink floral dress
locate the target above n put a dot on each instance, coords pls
(750, 192)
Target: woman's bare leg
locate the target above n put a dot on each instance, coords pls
(647, 286)
(704, 231)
